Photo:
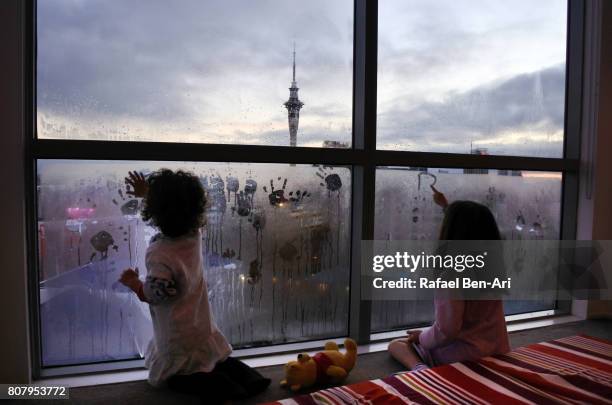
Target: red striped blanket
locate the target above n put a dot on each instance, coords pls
(576, 369)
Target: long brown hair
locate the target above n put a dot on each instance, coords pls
(468, 220)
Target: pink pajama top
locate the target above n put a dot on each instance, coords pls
(464, 330)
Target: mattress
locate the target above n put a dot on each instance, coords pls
(575, 369)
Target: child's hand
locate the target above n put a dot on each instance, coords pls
(439, 198)
(129, 278)
(138, 183)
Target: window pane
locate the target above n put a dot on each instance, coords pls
(472, 76)
(526, 205)
(215, 71)
(276, 273)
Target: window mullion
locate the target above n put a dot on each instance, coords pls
(364, 138)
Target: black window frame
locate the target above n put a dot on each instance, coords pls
(362, 157)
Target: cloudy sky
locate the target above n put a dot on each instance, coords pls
(487, 73)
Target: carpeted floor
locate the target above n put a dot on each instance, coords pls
(369, 366)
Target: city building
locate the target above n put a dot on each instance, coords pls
(336, 144)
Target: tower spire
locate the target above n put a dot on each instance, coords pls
(293, 62)
(293, 106)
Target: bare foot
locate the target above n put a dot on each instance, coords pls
(402, 351)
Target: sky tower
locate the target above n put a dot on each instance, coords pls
(293, 106)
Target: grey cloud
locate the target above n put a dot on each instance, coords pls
(527, 101)
(150, 60)
(140, 58)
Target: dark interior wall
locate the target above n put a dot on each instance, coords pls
(602, 227)
(14, 341)
(602, 204)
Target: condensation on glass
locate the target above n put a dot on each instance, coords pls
(526, 206)
(276, 248)
(215, 71)
(472, 76)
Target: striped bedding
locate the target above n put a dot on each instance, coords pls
(576, 369)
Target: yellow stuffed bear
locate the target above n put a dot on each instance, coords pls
(326, 367)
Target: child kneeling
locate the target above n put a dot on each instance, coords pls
(187, 352)
(463, 330)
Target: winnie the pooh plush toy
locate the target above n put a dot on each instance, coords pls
(326, 367)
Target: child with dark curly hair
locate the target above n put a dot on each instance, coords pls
(187, 352)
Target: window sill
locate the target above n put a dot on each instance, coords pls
(268, 359)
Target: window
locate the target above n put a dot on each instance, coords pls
(277, 265)
(472, 76)
(387, 95)
(526, 206)
(199, 71)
